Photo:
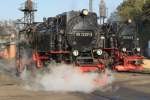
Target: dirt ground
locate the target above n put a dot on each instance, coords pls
(146, 63)
(125, 87)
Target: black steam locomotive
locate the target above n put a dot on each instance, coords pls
(72, 37)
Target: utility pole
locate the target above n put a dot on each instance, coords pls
(91, 5)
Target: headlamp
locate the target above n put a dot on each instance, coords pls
(138, 49)
(99, 52)
(85, 12)
(129, 21)
(102, 37)
(75, 52)
(124, 49)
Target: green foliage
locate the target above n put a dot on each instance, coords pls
(146, 11)
(131, 9)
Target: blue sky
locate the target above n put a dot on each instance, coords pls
(46, 8)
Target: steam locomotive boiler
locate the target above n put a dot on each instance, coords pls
(72, 38)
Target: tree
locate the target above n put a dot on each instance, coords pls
(131, 9)
(146, 11)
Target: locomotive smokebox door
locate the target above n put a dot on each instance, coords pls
(81, 30)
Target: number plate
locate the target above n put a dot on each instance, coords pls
(85, 34)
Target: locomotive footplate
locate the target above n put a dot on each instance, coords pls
(131, 63)
(92, 68)
(87, 64)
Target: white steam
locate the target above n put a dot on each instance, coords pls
(66, 78)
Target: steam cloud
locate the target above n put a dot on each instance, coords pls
(66, 78)
(60, 78)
